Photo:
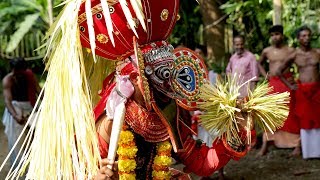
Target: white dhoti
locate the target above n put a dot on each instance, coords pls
(13, 129)
(310, 143)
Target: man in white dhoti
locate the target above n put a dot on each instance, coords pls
(19, 90)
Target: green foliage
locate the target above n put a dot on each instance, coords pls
(307, 13)
(18, 17)
(251, 18)
(186, 30)
(23, 28)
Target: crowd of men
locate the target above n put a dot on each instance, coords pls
(301, 130)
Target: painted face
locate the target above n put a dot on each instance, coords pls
(304, 38)
(159, 69)
(276, 38)
(238, 44)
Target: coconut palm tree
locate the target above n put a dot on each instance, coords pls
(23, 24)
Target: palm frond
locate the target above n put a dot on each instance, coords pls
(221, 110)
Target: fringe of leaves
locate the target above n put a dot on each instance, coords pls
(222, 109)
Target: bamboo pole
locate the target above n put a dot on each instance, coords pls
(277, 8)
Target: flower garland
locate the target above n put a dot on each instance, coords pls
(162, 161)
(127, 152)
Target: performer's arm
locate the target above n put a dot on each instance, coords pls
(7, 85)
(203, 161)
(262, 59)
(283, 67)
(103, 127)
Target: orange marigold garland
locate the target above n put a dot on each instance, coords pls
(162, 161)
(127, 152)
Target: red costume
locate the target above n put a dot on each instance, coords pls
(308, 105)
(198, 159)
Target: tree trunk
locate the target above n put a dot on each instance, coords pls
(214, 21)
(277, 6)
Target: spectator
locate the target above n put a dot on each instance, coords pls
(308, 92)
(288, 136)
(20, 89)
(243, 64)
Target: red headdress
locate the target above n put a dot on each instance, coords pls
(160, 18)
(116, 43)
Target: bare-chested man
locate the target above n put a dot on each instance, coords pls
(20, 88)
(308, 92)
(288, 135)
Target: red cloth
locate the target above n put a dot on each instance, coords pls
(291, 124)
(32, 87)
(103, 147)
(308, 105)
(202, 160)
(278, 85)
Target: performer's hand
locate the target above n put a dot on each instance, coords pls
(105, 173)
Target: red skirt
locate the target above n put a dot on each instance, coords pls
(278, 85)
(291, 124)
(308, 105)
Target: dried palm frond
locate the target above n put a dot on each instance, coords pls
(108, 20)
(96, 72)
(91, 32)
(270, 110)
(65, 143)
(222, 108)
(128, 16)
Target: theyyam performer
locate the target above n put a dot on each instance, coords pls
(119, 50)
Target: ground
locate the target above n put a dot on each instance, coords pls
(276, 165)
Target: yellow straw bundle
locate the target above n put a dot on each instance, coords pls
(270, 110)
(65, 144)
(96, 72)
(221, 109)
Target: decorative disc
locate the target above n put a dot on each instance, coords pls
(191, 73)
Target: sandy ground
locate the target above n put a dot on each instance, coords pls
(276, 165)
